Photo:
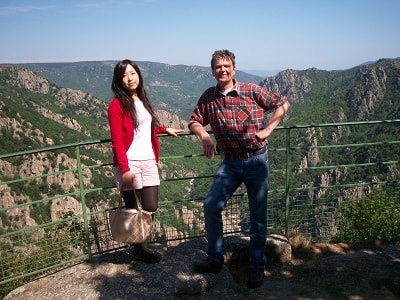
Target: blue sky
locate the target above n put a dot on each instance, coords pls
(263, 34)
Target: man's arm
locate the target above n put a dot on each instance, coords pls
(273, 122)
(206, 141)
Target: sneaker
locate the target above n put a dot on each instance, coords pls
(147, 256)
(208, 266)
(256, 277)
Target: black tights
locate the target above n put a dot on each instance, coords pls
(148, 197)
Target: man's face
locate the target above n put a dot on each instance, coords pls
(223, 72)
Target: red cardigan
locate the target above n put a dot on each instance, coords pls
(122, 134)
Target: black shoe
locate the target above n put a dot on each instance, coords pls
(208, 266)
(256, 277)
(147, 256)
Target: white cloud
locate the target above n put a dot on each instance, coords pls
(20, 9)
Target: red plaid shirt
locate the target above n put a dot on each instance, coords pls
(236, 117)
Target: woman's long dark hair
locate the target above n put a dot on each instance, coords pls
(123, 94)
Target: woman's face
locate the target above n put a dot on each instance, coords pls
(130, 80)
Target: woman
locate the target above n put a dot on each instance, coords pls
(134, 127)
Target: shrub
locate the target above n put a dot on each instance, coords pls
(376, 217)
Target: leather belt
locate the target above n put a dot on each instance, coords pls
(243, 155)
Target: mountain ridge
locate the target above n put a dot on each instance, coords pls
(176, 88)
(171, 87)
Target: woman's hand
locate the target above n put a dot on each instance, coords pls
(172, 131)
(127, 180)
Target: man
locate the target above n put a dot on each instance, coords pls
(235, 111)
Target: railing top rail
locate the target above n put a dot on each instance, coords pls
(107, 140)
(51, 148)
(339, 124)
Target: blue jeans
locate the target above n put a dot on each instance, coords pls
(254, 173)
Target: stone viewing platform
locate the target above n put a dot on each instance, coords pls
(116, 276)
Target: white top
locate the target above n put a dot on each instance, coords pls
(141, 147)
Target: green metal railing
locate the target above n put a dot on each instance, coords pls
(71, 189)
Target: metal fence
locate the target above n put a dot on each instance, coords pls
(71, 189)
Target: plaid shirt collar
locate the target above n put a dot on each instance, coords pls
(233, 89)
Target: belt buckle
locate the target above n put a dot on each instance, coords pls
(254, 153)
(246, 155)
(243, 155)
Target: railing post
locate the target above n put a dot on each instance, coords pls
(287, 182)
(83, 200)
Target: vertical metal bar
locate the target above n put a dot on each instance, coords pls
(287, 183)
(83, 200)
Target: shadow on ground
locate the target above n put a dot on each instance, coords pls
(319, 271)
